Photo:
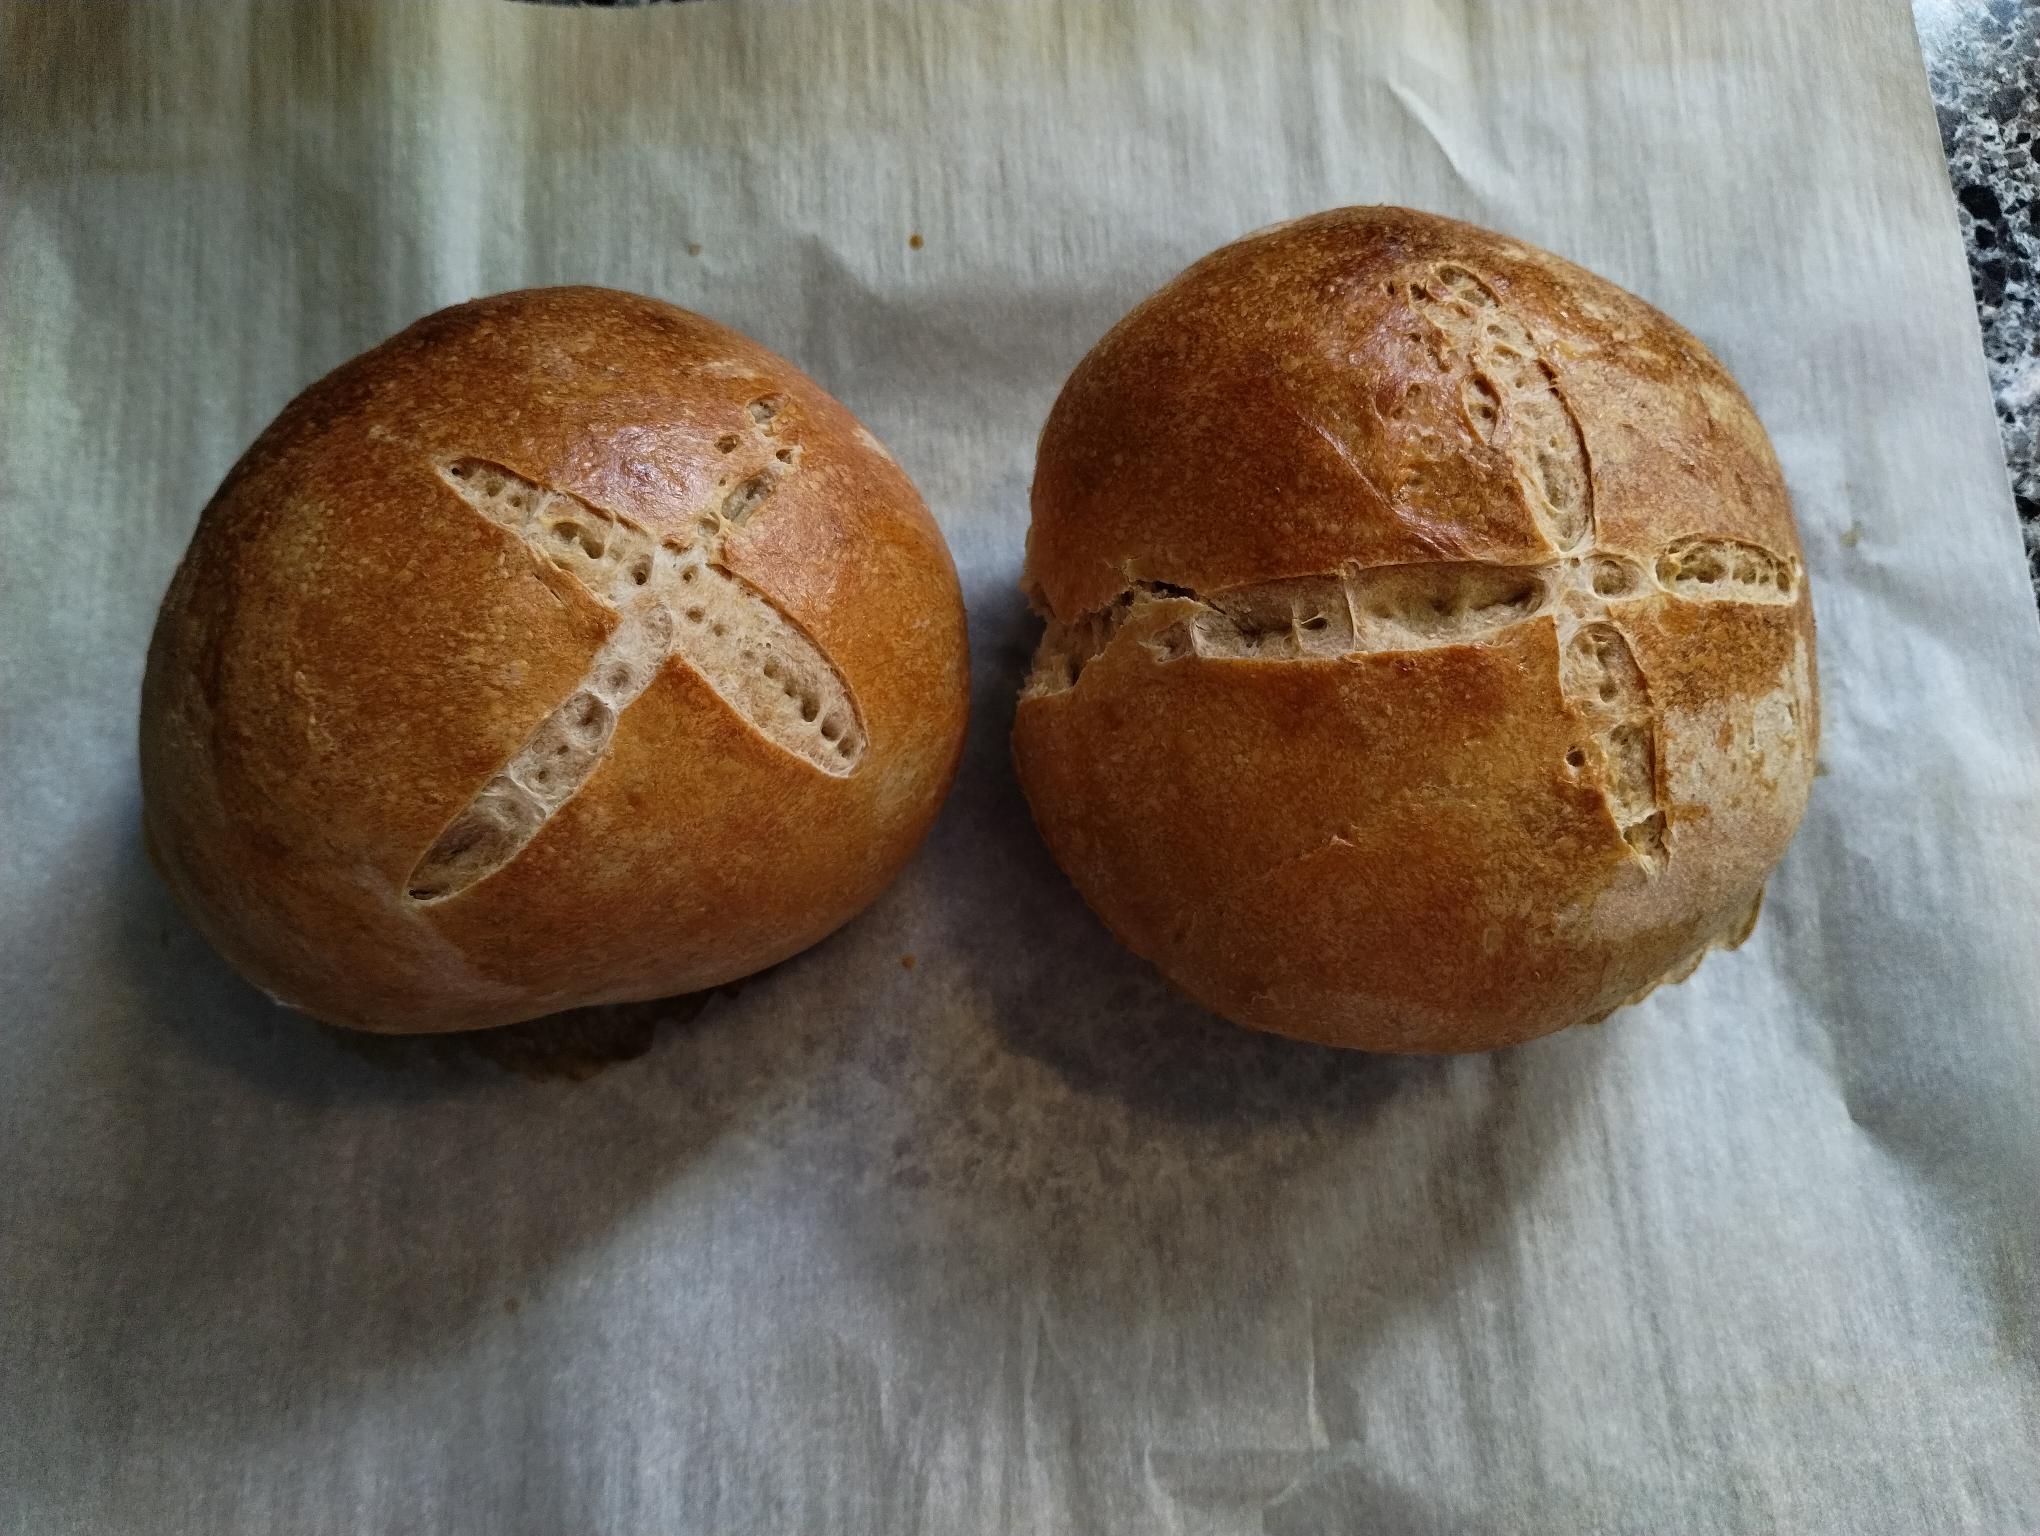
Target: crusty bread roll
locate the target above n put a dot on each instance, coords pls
(1429, 661)
(566, 648)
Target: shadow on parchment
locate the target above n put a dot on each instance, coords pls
(1146, 1224)
(263, 1205)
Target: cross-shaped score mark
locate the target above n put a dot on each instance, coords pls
(1423, 606)
(671, 598)
(1510, 396)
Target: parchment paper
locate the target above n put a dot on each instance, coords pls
(1012, 1239)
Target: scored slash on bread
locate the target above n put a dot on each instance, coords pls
(673, 597)
(1391, 608)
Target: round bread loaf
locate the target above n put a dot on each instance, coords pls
(566, 648)
(1429, 661)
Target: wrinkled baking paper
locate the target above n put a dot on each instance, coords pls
(1010, 1238)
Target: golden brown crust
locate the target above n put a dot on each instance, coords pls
(1430, 663)
(1254, 419)
(350, 652)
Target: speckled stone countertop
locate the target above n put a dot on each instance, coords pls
(1983, 65)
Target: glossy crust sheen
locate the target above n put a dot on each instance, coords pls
(1406, 847)
(350, 651)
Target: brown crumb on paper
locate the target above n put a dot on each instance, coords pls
(571, 1046)
(915, 242)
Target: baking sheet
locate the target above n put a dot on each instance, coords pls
(1012, 1239)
